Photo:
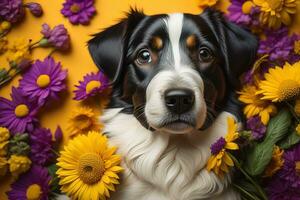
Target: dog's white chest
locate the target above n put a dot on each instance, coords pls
(160, 166)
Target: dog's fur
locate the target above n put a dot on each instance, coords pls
(165, 154)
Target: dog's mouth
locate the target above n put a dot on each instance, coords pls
(178, 124)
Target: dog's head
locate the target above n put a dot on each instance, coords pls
(173, 72)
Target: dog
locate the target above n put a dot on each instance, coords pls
(173, 80)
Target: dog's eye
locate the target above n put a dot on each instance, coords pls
(205, 54)
(144, 57)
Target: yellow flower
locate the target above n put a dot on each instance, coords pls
(297, 47)
(276, 162)
(5, 25)
(4, 134)
(83, 120)
(18, 51)
(18, 164)
(207, 3)
(3, 148)
(88, 167)
(275, 12)
(220, 161)
(3, 44)
(3, 166)
(255, 105)
(281, 84)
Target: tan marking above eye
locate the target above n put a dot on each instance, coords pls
(191, 41)
(157, 42)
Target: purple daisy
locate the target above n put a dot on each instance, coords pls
(278, 189)
(78, 11)
(291, 168)
(18, 114)
(243, 13)
(91, 85)
(11, 10)
(218, 146)
(279, 46)
(32, 185)
(44, 80)
(57, 37)
(257, 128)
(41, 144)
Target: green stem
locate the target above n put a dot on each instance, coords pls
(33, 45)
(245, 192)
(51, 52)
(257, 187)
(291, 108)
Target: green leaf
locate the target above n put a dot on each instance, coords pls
(258, 157)
(278, 126)
(55, 180)
(289, 141)
(260, 154)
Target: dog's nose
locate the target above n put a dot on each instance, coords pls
(179, 100)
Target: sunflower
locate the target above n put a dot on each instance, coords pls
(220, 161)
(255, 105)
(275, 12)
(276, 162)
(88, 167)
(281, 84)
(83, 120)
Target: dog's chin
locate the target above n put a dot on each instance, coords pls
(177, 128)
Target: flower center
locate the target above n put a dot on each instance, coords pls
(92, 85)
(247, 6)
(297, 47)
(83, 122)
(288, 89)
(91, 168)
(75, 8)
(21, 110)
(43, 80)
(217, 146)
(297, 167)
(33, 192)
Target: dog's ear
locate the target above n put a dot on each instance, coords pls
(108, 47)
(238, 45)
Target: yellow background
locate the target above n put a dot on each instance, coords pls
(78, 61)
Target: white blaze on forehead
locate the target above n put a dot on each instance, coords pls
(174, 26)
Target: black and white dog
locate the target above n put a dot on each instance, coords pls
(173, 77)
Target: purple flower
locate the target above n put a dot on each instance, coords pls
(18, 115)
(243, 13)
(257, 128)
(57, 37)
(91, 85)
(32, 185)
(35, 9)
(44, 80)
(218, 146)
(279, 46)
(290, 171)
(278, 189)
(11, 10)
(78, 11)
(41, 144)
